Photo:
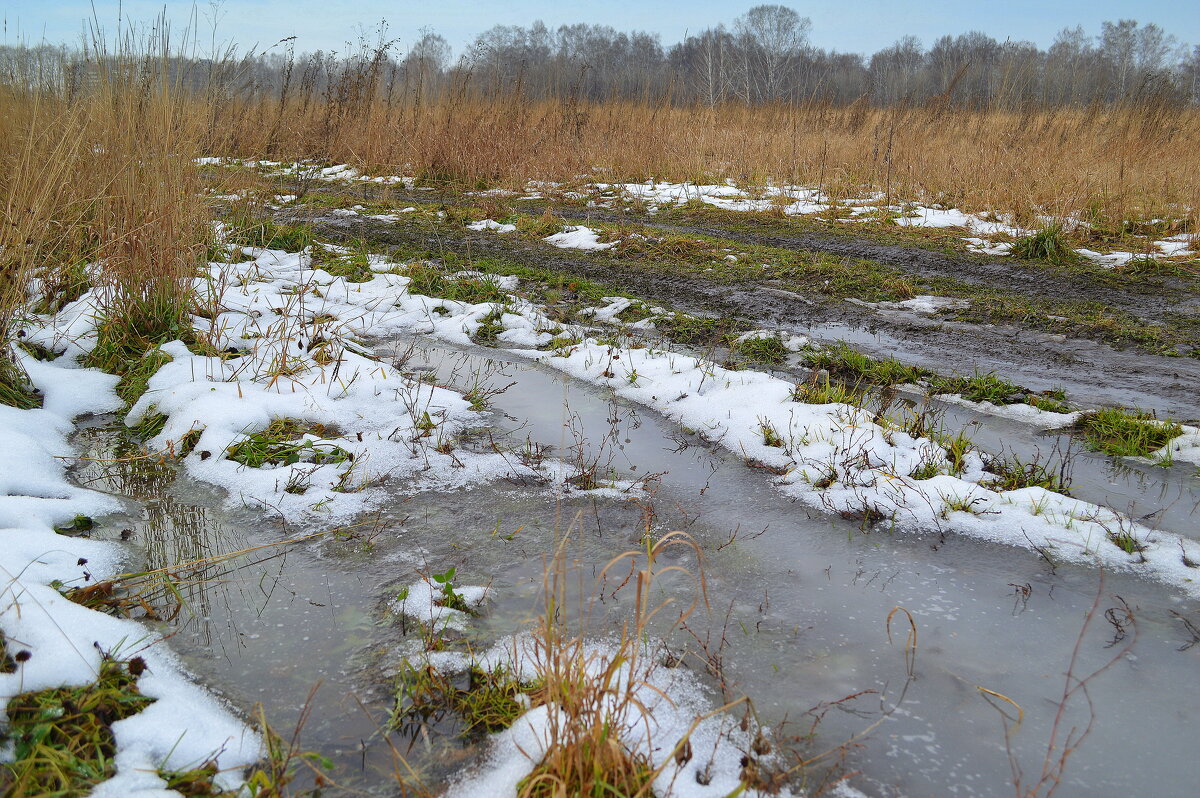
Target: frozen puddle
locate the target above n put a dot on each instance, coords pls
(447, 463)
(799, 606)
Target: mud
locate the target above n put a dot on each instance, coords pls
(1092, 373)
(1152, 298)
(1005, 274)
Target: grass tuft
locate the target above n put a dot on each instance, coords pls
(283, 443)
(1126, 433)
(15, 390)
(820, 391)
(980, 388)
(1012, 473)
(767, 349)
(136, 377)
(1048, 244)
(848, 364)
(267, 234)
(490, 700)
(62, 738)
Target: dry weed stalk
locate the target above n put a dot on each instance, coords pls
(595, 692)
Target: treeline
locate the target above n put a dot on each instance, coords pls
(764, 57)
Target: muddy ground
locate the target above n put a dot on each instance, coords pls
(1091, 372)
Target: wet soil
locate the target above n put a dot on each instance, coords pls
(1007, 275)
(1092, 373)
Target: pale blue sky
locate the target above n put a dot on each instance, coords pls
(846, 25)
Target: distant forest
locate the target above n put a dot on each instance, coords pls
(765, 56)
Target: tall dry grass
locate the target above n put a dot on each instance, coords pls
(98, 189)
(1108, 163)
(41, 214)
(150, 223)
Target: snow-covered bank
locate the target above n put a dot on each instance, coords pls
(64, 641)
(663, 715)
(832, 456)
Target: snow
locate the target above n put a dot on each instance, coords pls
(1185, 447)
(792, 343)
(186, 726)
(1024, 413)
(291, 335)
(986, 247)
(578, 237)
(921, 216)
(654, 708)
(421, 602)
(868, 463)
(862, 464)
(490, 224)
(793, 200)
(925, 304)
(1110, 259)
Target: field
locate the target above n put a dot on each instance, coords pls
(360, 442)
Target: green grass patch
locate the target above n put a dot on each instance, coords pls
(283, 443)
(150, 426)
(822, 391)
(267, 234)
(428, 279)
(79, 525)
(1126, 433)
(353, 266)
(980, 387)
(1126, 541)
(699, 331)
(481, 701)
(1048, 244)
(1012, 473)
(539, 226)
(62, 738)
(762, 349)
(926, 469)
(490, 326)
(1149, 266)
(848, 364)
(15, 390)
(39, 351)
(136, 377)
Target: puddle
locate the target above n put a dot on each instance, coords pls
(799, 604)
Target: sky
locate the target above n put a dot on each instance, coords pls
(862, 26)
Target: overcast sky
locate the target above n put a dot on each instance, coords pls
(846, 25)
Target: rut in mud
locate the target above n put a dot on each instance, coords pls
(1093, 372)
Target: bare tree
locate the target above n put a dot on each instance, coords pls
(774, 37)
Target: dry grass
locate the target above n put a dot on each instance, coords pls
(104, 177)
(1105, 163)
(594, 692)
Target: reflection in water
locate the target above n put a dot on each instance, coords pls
(187, 543)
